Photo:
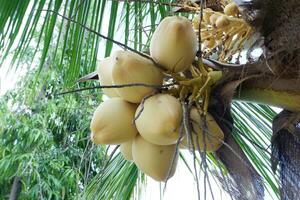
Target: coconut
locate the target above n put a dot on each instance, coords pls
(131, 68)
(231, 9)
(206, 15)
(160, 119)
(222, 22)
(213, 18)
(174, 44)
(112, 122)
(204, 34)
(154, 160)
(104, 70)
(126, 150)
(212, 140)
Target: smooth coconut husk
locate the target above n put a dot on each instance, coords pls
(126, 150)
(112, 122)
(160, 119)
(154, 160)
(174, 44)
(222, 22)
(214, 137)
(131, 68)
(213, 18)
(104, 70)
(231, 9)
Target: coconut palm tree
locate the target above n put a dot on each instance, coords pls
(73, 34)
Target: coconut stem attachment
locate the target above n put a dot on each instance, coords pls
(282, 99)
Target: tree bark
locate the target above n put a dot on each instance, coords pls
(245, 182)
(16, 189)
(275, 82)
(286, 153)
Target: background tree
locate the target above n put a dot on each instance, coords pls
(45, 142)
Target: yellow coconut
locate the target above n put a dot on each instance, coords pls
(104, 70)
(131, 68)
(213, 137)
(174, 44)
(154, 160)
(126, 150)
(112, 122)
(160, 119)
(231, 9)
(205, 34)
(206, 14)
(213, 18)
(222, 22)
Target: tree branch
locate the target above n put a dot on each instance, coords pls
(118, 86)
(15, 189)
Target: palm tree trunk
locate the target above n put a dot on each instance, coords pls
(245, 182)
(283, 93)
(16, 189)
(278, 22)
(286, 153)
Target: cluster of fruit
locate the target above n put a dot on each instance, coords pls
(146, 121)
(225, 30)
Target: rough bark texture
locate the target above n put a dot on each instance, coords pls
(244, 183)
(286, 153)
(278, 22)
(216, 5)
(16, 189)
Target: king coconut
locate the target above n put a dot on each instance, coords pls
(142, 120)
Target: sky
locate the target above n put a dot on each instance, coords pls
(9, 78)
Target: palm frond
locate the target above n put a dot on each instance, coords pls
(116, 181)
(253, 132)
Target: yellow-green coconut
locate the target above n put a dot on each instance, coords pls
(231, 9)
(112, 122)
(131, 68)
(126, 150)
(104, 70)
(160, 119)
(154, 160)
(222, 22)
(213, 137)
(174, 44)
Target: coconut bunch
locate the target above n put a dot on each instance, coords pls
(147, 121)
(225, 30)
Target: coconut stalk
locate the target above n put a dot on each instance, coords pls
(279, 92)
